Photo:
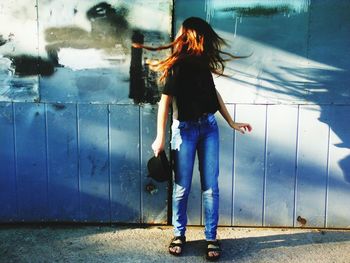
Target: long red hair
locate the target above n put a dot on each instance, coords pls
(194, 38)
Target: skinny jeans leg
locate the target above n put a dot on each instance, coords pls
(184, 157)
(188, 137)
(208, 157)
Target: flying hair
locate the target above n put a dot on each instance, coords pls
(195, 38)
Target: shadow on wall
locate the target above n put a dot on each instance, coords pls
(315, 34)
(320, 81)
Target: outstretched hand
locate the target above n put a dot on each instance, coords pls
(241, 127)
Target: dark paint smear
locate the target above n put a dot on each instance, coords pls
(21, 84)
(109, 26)
(2, 40)
(259, 10)
(93, 164)
(143, 81)
(137, 83)
(115, 16)
(25, 65)
(58, 106)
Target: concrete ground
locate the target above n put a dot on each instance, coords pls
(81, 243)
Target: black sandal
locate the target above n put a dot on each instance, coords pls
(178, 241)
(213, 246)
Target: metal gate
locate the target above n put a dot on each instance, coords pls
(78, 112)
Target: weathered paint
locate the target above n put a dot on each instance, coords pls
(94, 181)
(81, 155)
(153, 203)
(81, 50)
(31, 161)
(18, 29)
(312, 168)
(62, 162)
(226, 158)
(8, 180)
(249, 167)
(125, 176)
(282, 123)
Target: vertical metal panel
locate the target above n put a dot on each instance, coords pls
(280, 164)
(154, 205)
(249, 167)
(31, 161)
(338, 212)
(8, 198)
(125, 163)
(312, 168)
(94, 162)
(62, 161)
(226, 168)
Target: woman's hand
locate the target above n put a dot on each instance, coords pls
(163, 109)
(136, 45)
(158, 146)
(241, 127)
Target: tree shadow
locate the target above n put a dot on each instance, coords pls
(243, 248)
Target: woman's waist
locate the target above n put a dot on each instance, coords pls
(204, 117)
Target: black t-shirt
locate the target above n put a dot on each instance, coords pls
(192, 85)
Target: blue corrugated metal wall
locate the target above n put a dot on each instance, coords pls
(294, 168)
(78, 162)
(65, 159)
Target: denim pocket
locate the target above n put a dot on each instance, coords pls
(182, 125)
(212, 120)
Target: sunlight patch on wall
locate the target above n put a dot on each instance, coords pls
(272, 75)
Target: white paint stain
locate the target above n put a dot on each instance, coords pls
(176, 139)
(78, 59)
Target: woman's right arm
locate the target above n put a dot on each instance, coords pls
(162, 117)
(241, 127)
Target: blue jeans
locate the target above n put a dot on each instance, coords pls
(189, 137)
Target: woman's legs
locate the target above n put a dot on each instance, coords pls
(208, 157)
(184, 156)
(189, 137)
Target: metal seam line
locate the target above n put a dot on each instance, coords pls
(47, 157)
(296, 166)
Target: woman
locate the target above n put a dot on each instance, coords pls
(189, 87)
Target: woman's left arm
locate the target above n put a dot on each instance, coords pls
(241, 127)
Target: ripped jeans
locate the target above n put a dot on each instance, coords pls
(189, 137)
